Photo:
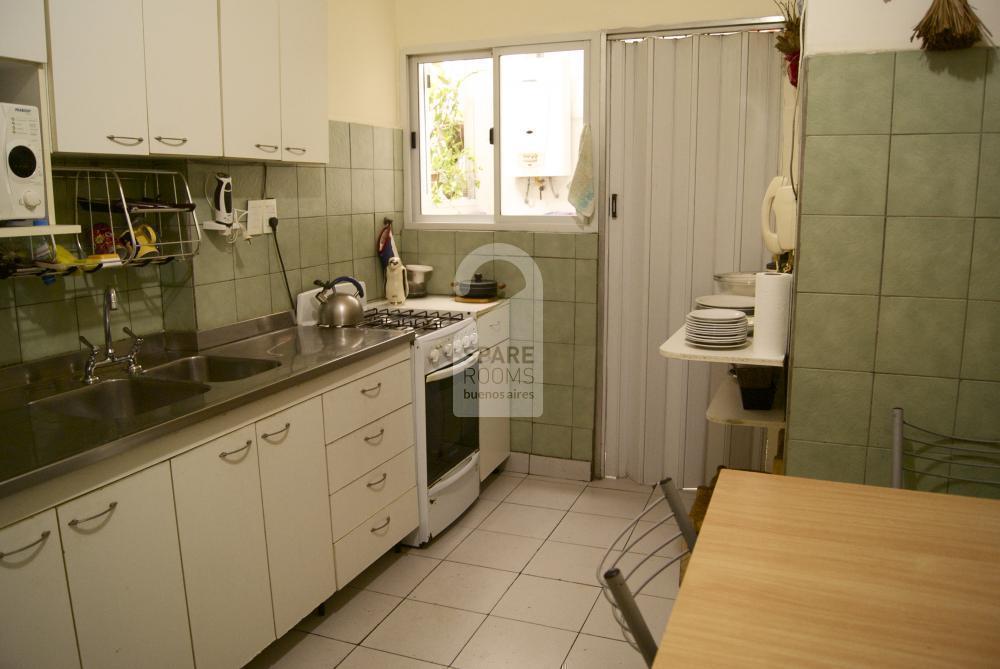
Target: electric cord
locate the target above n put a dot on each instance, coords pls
(273, 223)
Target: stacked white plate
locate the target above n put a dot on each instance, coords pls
(744, 303)
(716, 328)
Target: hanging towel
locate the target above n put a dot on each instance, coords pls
(581, 188)
(386, 244)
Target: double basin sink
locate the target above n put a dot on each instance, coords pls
(158, 387)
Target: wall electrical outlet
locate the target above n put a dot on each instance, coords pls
(258, 214)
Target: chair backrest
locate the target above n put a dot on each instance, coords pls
(949, 463)
(614, 580)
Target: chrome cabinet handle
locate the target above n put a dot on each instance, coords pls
(45, 535)
(225, 454)
(77, 521)
(383, 525)
(275, 434)
(374, 389)
(171, 141)
(295, 149)
(375, 436)
(379, 482)
(495, 326)
(125, 140)
(270, 148)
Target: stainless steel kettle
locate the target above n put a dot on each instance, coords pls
(340, 310)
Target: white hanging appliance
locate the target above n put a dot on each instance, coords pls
(779, 199)
(22, 175)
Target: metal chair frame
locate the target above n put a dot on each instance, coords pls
(958, 451)
(614, 583)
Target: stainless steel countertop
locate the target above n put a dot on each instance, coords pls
(37, 445)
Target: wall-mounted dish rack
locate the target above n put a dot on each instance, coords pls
(121, 218)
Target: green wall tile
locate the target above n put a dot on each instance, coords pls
(558, 322)
(585, 366)
(439, 282)
(287, 236)
(516, 284)
(583, 444)
(586, 246)
(436, 241)
(522, 318)
(339, 238)
(363, 235)
(523, 241)
(312, 191)
(382, 148)
(340, 144)
(362, 146)
(214, 261)
(977, 416)
(927, 257)
(89, 284)
(554, 441)
(283, 186)
(558, 361)
(362, 191)
(558, 279)
(933, 175)
(845, 174)
(830, 406)
(470, 265)
(939, 91)
(583, 407)
(984, 280)
(253, 297)
(34, 291)
(929, 401)
(248, 182)
(878, 467)
(840, 254)
(586, 281)
(368, 270)
(338, 191)
(10, 344)
(398, 191)
(586, 324)
(6, 294)
(179, 314)
(385, 198)
(988, 199)
(991, 112)
(920, 336)
(313, 244)
(48, 328)
(520, 436)
(849, 94)
(835, 331)
(252, 257)
(554, 245)
(473, 242)
(981, 354)
(90, 318)
(145, 310)
(397, 149)
(827, 461)
(279, 294)
(339, 269)
(554, 404)
(215, 304)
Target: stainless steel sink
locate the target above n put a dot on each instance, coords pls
(212, 368)
(117, 399)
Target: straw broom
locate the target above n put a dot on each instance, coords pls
(949, 24)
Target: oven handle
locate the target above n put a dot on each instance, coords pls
(454, 370)
(441, 486)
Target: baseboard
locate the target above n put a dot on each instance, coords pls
(575, 470)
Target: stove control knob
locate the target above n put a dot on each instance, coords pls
(466, 341)
(434, 355)
(447, 350)
(474, 338)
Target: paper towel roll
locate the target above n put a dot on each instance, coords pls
(770, 315)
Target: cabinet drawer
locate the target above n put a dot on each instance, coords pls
(380, 532)
(351, 505)
(356, 453)
(494, 327)
(360, 402)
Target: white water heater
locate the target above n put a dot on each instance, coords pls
(538, 119)
(22, 175)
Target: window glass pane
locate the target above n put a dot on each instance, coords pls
(456, 158)
(541, 117)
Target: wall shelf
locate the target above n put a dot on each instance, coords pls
(39, 231)
(677, 348)
(727, 408)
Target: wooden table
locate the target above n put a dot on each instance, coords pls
(791, 572)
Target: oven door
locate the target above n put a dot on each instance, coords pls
(452, 416)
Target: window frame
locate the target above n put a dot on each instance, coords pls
(590, 44)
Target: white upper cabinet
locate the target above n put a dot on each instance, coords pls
(251, 86)
(303, 81)
(22, 30)
(98, 76)
(182, 76)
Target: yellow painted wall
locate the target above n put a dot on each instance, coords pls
(363, 83)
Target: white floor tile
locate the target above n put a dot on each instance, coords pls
(368, 658)
(526, 521)
(350, 615)
(538, 492)
(395, 573)
(655, 611)
(441, 545)
(425, 631)
(587, 529)
(603, 502)
(545, 601)
(627, 485)
(566, 562)
(477, 512)
(495, 550)
(655, 539)
(298, 650)
(498, 486)
(464, 586)
(511, 644)
(593, 652)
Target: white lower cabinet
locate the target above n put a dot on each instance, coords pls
(350, 506)
(36, 624)
(377, 534)
(296, 511)
(220, 521)
(494, 425)
(123, 565)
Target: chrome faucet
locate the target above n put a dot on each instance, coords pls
(131, 360)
